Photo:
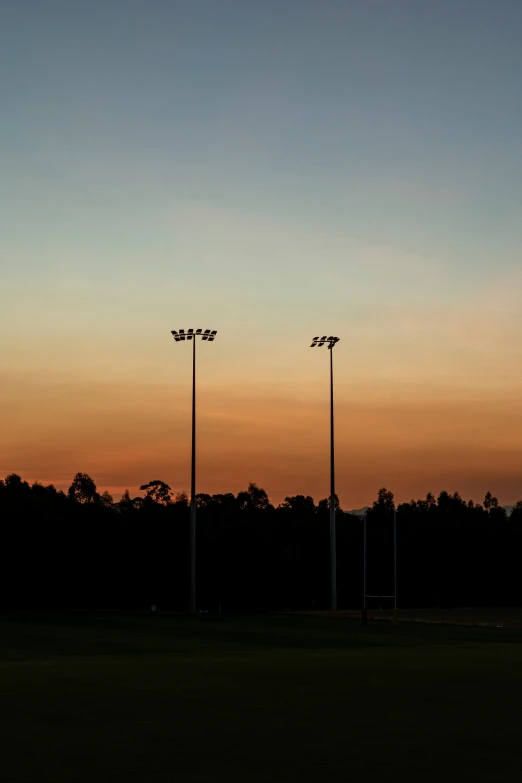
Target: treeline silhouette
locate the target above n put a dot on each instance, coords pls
(82, 550)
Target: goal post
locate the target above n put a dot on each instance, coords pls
(366, 595)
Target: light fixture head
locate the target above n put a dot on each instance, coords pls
(320, 341)
(193, 333)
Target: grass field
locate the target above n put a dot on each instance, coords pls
(272, 698)
(508, 617)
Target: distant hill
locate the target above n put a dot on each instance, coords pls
(359, 512)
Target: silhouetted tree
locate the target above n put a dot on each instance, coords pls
(253, 499)
(181, 499)
(83, 489)
(125, 503)
(385, 502)
(300, 504)
(157, 492)
(516, 514)
(80, 549)
(106, 499)
(324, 504)
(490, 501)
(203, 500)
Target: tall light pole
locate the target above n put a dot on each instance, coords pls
(331, 342)
(180, 336)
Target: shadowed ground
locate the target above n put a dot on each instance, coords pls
(503, 617)
(269, 698)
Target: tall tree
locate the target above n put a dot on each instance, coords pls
(253, 499)
(324, 504)
(300, 504)
(157, 492)
(83, 489)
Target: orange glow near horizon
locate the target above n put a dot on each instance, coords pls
(426, 397)
(125, 435)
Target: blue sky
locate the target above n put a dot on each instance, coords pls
(395, 120)
(317, 111)
(264, 166)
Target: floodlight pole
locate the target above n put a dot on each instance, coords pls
(333, 547)
(192, 606)
(181, 336)
(331, 342)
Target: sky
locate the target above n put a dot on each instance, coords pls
(274, 170)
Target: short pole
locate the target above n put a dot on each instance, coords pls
(364, 609)
(395, 610)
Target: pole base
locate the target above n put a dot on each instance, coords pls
(364, 616)
(395, 617)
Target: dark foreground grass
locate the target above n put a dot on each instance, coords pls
(97, 698)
